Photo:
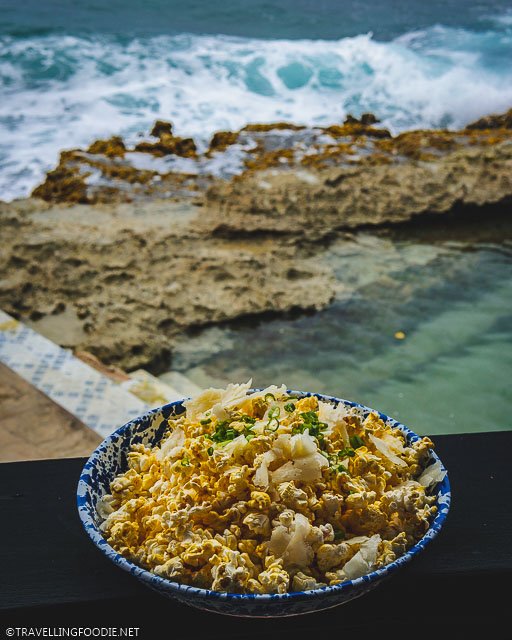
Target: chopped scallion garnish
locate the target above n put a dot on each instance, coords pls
(274, 413)
(356, 442)
(312, 424)
(223, 432)
(272, 424)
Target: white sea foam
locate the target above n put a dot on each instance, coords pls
(64, 91)
(505, 19)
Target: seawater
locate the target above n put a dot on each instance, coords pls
(451, 297)
(73, 72)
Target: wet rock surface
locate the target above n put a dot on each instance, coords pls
(133, 279)
(169, 166)
(315, 203)
(493, 121)
(135, 246)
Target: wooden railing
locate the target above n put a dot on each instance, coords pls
(51, 574)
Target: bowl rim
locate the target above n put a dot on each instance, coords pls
(443, 502)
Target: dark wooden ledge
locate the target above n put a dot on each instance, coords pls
(50, 573)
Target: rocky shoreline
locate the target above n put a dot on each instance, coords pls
(121, 250)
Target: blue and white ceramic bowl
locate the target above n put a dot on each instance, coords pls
(110, 459)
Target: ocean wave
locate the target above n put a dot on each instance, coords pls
(64, 91)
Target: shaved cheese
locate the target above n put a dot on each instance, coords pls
(363, 561)
(298, 552)
(357, 540)
(292, 544)
(234, 394)
(197, 406)
(301, 459)
(331, 414)
(261, 478)
(335, 418)
(236, 446)
(216, 401)
(305, 469)
(279, 541)
(302, 444)
(288, 472)
(383, 447)
(218, 411)
(276, 391)
(259, 427)
(173, 446)
(282, 446)
(432, 475)
(393, 442)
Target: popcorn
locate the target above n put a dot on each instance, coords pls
(264, 493)
(329, 556)
(257, 523)
(302, 582)
(274, 579)
(259, 500)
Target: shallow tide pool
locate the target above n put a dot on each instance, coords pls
(421, 330)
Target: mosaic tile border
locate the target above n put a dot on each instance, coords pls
(96, 400)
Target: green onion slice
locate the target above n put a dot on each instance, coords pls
(275, 412)
(356, 442)
(273, 424)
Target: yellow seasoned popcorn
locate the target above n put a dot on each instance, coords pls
(265, 493)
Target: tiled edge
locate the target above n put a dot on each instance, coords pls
(97, 401)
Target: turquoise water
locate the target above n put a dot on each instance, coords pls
(452, 298)
(272, 19)
(73, 72)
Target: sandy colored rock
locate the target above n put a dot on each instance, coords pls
(136, 278)
(316, 202)
(221, 140)
(161, 127)
(273, 126)
(174, 167)
(112, 147)
(63, 184)
(494, 121)
(354, 127)
(168, 145)
(161, 252)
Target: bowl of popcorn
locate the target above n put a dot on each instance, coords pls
(265, 502)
